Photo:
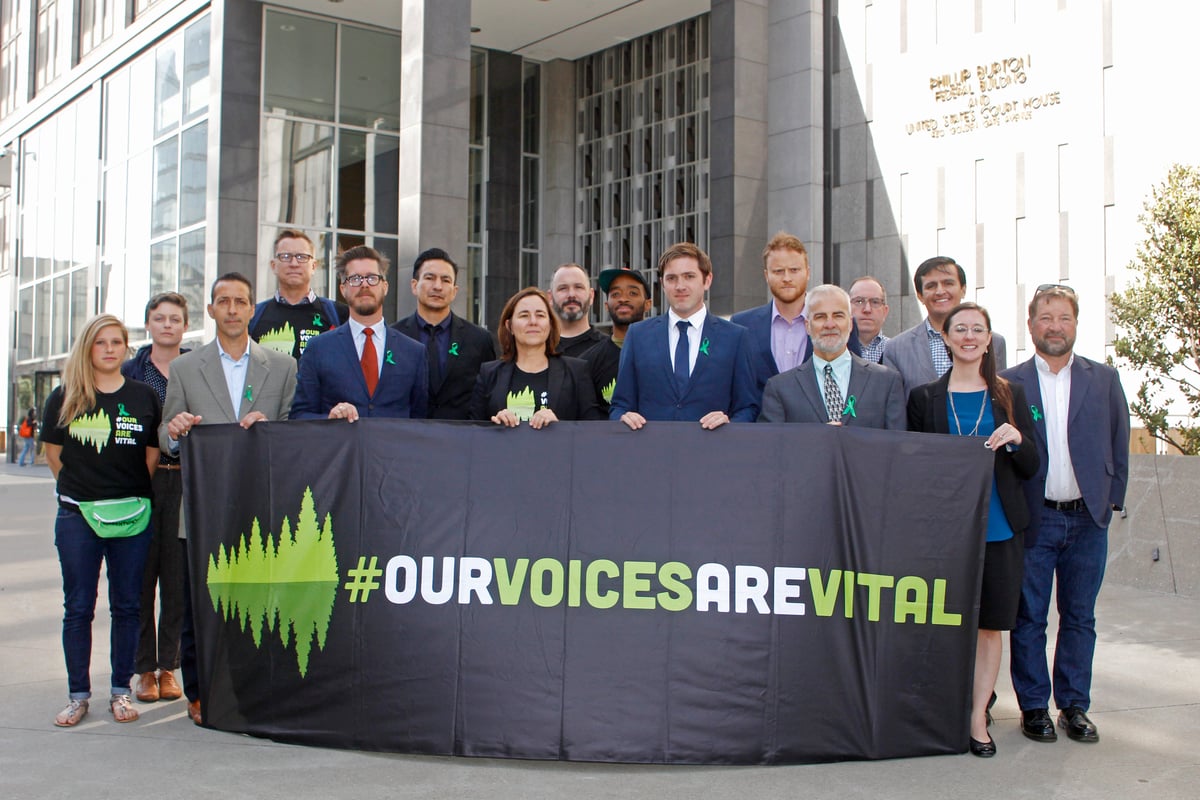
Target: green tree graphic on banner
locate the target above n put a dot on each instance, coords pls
(286, 584)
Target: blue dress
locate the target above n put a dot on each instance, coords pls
(967, 404)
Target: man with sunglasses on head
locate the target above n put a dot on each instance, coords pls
(1081, 430)
(362, 368)
(286, 322)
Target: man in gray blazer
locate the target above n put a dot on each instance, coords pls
(232, 379)
(919, 354)
(834, 386)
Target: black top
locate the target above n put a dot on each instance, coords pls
(141, 368)
(603, 359)
(104, 450)
(287, 329)
(528, 392)
(569, 390)
(576, 346)
(468, 348)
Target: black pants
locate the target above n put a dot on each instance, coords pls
(159, 647)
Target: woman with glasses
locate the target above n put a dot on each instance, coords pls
(531, 382)
(101, 437)
(972, 400)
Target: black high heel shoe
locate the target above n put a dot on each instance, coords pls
(983, 749)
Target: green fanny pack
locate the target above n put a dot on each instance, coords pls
(114, 519)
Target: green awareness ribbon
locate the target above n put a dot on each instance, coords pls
(388, 357)
(250, 393)
(317, 320)
(850, 401)
(1037, 415)
(453, 349)
(121, 410)
(704, 347)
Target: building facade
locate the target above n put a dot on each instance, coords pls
(150, 145)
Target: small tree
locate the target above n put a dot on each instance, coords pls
(1159, 314)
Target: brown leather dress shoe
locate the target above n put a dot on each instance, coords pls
(147, 688)
(194, 711)
(168, 687)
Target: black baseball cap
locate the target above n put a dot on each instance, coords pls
(607, 276)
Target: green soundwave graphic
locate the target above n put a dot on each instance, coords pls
(282, 340)
(521, 403)
(285, 584)
(607, 391)
(94, 429)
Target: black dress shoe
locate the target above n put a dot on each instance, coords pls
(1037, 725)
(983, 749)
(1075, 722)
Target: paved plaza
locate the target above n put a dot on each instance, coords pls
(1147, 698)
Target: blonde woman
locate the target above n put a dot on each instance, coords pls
(100, 433)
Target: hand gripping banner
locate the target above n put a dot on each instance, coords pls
(751, 595)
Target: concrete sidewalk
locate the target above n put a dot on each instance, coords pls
(1147, 698)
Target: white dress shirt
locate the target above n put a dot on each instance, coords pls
(696, 326)
(1056, 405)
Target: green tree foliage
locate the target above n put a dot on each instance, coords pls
(1159, 314)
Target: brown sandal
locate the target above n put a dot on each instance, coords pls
(122, 708)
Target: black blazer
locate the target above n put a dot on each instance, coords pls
(451, 399)
(927, 414)
(572, 394)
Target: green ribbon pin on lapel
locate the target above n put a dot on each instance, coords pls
(250, 393)
(849, 409)
(388, 357)
(1037, 415)
(453, 349)
(704, 347)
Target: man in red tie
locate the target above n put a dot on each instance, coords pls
(362, 368)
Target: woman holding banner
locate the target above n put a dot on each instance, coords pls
(972, 400)
(101, 437)
(531, 382)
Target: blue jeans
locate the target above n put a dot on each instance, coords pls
(80, 552)
(26, 450)
(1071, 546)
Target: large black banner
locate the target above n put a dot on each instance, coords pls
(754, 594)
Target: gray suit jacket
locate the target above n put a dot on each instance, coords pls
(908, 354)
(795, 396)
(197, 386)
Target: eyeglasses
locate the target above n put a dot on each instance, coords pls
(1046, 287)
(961, 330)
(299, 258)
(873, 302)
(359, 280)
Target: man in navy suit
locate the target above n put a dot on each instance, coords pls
(689, 364)
(362, 368)
(779, 338)
(1081, 426)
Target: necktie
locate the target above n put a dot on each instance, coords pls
(833, 396)
(370, 362)
(681, 355)
(433, 355)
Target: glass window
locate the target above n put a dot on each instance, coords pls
(529, 206)
(97, 21)
(25, 324)
(41, 319)
(165, 213)
(193, 175)
(191, 276)
(162, 267)
(296, 176)
(80, 308)
(368, 182)
(168, 86)
(370, 79)
(195, 70)
(300, 68)
(60, 320)
(478, 95)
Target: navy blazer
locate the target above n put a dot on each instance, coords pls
(470, 347)
(722, 380)
(330, 373)
(794, 396)
(757, 320)
(927, 413)
(572, 394)
(1097, 437)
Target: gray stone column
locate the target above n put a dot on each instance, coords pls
(795, 125)
(739, 184)
(435, 44)
(558, 166)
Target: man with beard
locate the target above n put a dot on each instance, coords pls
(362, 368)
(628, 299)
(835, 386)
(571, 294)
(778, 333)
(454, 348)
(1081, 430)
